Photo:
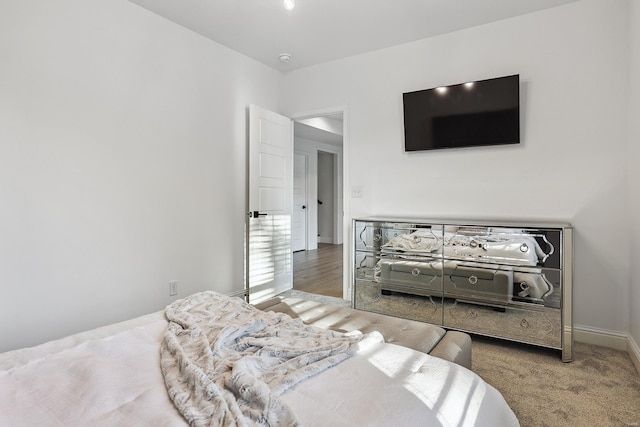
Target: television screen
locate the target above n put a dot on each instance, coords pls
(485, 112)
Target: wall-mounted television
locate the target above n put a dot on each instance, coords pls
(475, 113)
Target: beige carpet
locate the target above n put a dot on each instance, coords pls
(599, 388)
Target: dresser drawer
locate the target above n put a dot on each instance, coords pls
(500, 245)
(365, 265)
(368, 296)
(541, 327)
(484, 284)
(413, 277)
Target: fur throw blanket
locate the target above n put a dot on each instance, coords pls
(225, 363)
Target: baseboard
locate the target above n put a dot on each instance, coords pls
(325, 240)
(240, 294)
(634, 353)
(602, 337)
(612, 339)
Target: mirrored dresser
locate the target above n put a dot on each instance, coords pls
(505, 280)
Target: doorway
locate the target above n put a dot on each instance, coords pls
(319, 139)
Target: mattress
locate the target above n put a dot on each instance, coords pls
(111, 376)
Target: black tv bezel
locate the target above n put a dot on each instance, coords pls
(423, 148)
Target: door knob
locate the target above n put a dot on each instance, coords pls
(304, 207)
(257, 214)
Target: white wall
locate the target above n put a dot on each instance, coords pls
(571, 164)
(634, 170)
(118, 134)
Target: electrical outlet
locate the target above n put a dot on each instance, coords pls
(173, 288)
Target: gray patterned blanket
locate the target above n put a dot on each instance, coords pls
(225, 363)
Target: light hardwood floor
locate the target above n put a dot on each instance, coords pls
(319, 271)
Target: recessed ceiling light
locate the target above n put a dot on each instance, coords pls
(289, 4)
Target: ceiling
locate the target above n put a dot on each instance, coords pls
(326, 129)
(318, 31)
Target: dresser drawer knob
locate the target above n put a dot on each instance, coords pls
(415, 272)
(377, 237)
(473, 280)
(473, 314)
(524, 324)
(524, 247)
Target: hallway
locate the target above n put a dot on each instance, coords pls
(319, 271)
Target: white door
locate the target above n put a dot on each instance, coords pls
(270, 186)
(299, 226)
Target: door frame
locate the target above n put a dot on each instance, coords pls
(341, 208)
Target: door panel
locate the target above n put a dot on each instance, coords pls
(271, 199)
(270, 183)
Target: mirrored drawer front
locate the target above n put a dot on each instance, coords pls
(519, 247)
(369, 296)
(414, 277)
(365, 265)
(540, 287)
(397, 237)
(531, 326)
(483, 284)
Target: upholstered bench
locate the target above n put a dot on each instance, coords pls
(425, 337)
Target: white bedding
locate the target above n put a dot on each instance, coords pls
(111, 376)
(225, 361)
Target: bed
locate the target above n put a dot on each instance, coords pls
(193, 359)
